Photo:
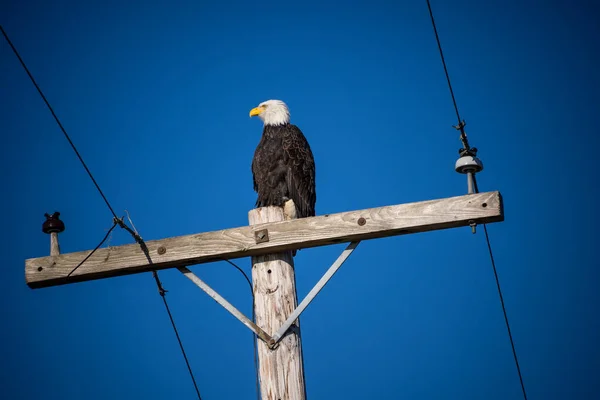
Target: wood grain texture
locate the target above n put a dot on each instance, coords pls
(287, 235)
(274, 286)
(54, 245)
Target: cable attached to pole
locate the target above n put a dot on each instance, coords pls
(512, 342)
(116, 220)
(254, 337)
(469, 164)
(461, 124)
(162, 293)
(60, 125)
(95, 248)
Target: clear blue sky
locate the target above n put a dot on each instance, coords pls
(156, 96)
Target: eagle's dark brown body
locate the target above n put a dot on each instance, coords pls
(284, 168)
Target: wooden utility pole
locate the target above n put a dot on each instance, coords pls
(268, 240)
(274, 286)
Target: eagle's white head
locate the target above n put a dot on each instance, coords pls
(272, 112)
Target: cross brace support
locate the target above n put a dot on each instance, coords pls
(228, 306)
(314, 291)
(274, 340)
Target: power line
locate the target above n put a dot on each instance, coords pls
(162, 292)
(461, 123)
(253, 334)
(95, 248)
(512, 342)
(60, 125)
(116, 219)
(467, 150)
(243, 273)
(437, 38)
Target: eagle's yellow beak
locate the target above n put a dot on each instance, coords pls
(256, 111)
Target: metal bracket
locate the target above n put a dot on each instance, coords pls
(261, 236)
(314, 291)
(228, 306)
(272, 341)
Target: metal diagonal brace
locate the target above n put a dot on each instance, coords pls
(273, 341)
(228, 306)
(314, 291)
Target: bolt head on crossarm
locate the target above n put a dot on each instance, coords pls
(53, 224)
(467, 164)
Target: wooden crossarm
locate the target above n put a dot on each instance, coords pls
(280, 236)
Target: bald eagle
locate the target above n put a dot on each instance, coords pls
(283, 167)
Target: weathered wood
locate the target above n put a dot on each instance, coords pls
(54, 245)
(282, 236)
(314, 292)
(274, 286)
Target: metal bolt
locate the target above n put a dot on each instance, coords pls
(473, 226)
(261, 236)
(40, 269)
(362, 221)
(161, 250)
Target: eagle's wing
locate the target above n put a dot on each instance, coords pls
(300, 176)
